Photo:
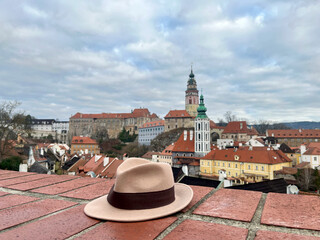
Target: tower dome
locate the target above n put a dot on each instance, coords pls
(202, 109)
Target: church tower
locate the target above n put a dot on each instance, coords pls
(202, 131)
(192, 96)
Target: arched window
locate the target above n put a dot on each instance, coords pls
(190, 101)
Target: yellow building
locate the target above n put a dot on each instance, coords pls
(245, 164)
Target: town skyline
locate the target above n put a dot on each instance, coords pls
(259, 60)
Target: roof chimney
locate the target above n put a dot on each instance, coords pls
(105, 161)
(240, 125)
(96, 158)
(300, 130)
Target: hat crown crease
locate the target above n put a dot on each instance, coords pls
(143, 177)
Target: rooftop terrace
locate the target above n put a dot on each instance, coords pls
(37, 206)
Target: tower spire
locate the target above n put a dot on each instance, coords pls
(202, 109)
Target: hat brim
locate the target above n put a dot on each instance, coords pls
(101, 209)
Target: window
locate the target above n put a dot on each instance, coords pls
(229, 165)
(262, 168)
(315, 159)
(256, 167)
(236, 165)
(208, 163)
(249, 167)
(223, 164)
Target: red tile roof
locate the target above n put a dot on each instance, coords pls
(110, 170)
(94, 163)
(153, 124)
(239, 127)
(294, 133)
(148, 155)
(213, 125)
(303, 165)
(182, 145)
(256, 155)
(83, 140)
(178, 114)
(138, 112)
(312, 151)
(168, 150)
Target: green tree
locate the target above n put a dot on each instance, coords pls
(316, 179)
(11, 163)
(125, 136)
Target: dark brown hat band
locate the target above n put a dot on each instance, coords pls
(138, 201)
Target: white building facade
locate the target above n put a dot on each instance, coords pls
(202, 131)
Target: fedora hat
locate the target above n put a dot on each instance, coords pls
(143, 190)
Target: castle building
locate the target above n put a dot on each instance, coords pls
(109, 123)
(192, 96)
(202, 131)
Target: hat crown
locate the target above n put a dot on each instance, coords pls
(139, 175)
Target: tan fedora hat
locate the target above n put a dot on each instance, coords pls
(143, 190)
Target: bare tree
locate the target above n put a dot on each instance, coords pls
(12, 123)
(229, 117)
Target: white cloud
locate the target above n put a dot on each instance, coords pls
(259, 59)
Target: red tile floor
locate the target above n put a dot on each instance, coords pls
(35, 206)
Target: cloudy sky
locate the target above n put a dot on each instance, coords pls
(258, 59)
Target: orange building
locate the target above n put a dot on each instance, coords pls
(84, 145)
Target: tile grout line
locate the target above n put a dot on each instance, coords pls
(44, 196)
(84, 231)
(38, 218)
(255, 221)
(183, 216)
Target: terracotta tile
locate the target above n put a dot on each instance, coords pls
(133, 231)
(67, 186)
(23, 213)
(198, 193)
(231, 204)
(92, 191)
(3, 193)
(51, 179)
(4, 171)
(13, 174)
(22, 179)
(13, 200)
(296, 211)
(59, 226)
(270, 235)
(194, 230)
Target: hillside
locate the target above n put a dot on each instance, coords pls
(303, 125)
